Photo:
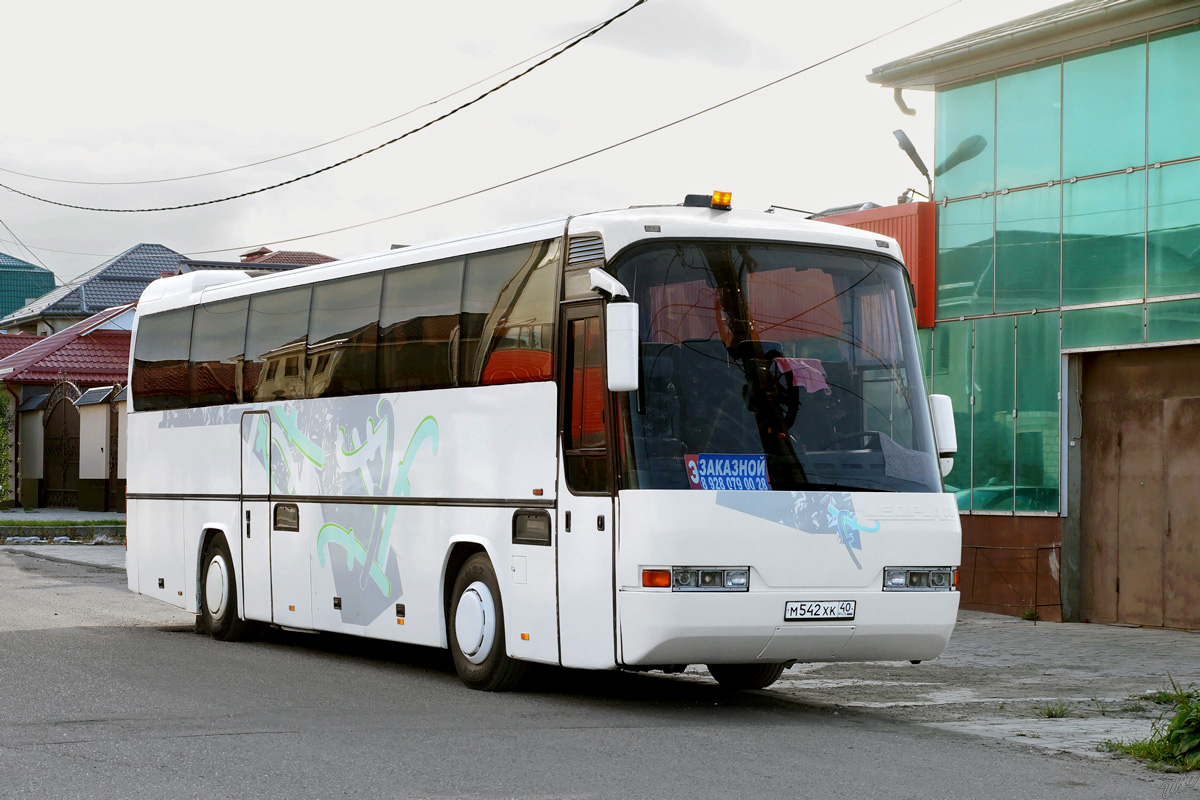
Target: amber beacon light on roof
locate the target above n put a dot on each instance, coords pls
(721, 201)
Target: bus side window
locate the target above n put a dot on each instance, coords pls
(503, 292)
(518, 334)
(275, 339)
(342, 335)
(218, 341)
(418, 321)
(585, 443)
(160, 361)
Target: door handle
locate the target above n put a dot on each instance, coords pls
(600, 522)
(247, 524)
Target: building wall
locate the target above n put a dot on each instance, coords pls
(32, 441)
(1069, 220)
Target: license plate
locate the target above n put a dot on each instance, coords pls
(820, 609)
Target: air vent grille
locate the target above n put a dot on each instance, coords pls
(585, 248)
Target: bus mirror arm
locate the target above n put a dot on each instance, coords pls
(941, 412)
(606, 285)
(621, 346)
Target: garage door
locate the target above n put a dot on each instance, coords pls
(1140, 522)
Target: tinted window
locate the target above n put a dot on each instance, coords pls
(508, 304)
(342, 336)
(418, 320)
(276, 336)
(160, 362)
(584, 439)
(517, 336)
(218, 339)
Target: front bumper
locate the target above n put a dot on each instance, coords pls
(662, 627)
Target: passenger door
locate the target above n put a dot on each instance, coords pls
(586, 522)
(254, 519)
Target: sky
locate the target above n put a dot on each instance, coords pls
(144, 91)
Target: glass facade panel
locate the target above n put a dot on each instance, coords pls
(1028, 118)
(966, 115)
(1173, 248)
(1104, 110)
(1037, 437)
(1027, 249)
(1104, 239)
(925, 342)
(965, 256)
(951, 375)
(992, 415)
(1173, 321)
(1097, 327)
(1174, 102)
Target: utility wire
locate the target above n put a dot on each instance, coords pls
(614, 146)
(27, 250)
(309, 149)
(344, 161)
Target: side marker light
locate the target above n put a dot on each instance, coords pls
(656, 578)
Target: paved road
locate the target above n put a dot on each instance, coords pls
(106, 694)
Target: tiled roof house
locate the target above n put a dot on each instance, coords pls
(261, 260)
(89, 353)
(20, 282)
(118, 281)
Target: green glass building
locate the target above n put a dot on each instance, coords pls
(1067, 321)
(21, 282)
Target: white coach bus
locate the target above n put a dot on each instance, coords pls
(636, 439)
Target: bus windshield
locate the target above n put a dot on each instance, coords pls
(774, 367)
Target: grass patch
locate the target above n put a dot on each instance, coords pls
(1174, 744)
(1030, 615)
(1056, 710)
(16, 522)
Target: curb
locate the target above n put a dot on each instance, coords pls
(37, 534)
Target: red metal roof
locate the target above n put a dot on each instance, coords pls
(12, 342)
(304, 258)
(914, 226)
(81, 353)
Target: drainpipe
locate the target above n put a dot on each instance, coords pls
(16, 446)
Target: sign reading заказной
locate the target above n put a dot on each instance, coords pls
(727, 472)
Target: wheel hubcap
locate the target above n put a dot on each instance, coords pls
(475, 622)
(216, 587)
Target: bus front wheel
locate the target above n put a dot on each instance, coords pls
(218, 594)
(475, 629)
(746, 676)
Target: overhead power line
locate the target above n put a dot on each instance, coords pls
(605, 149)
(344, 161)
(309, 149)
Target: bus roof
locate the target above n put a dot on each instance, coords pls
(617, 229)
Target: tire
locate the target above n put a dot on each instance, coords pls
(218, 594)
(475, 630)
(746, 676)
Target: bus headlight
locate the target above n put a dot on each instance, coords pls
(918, 579)
(710, 579)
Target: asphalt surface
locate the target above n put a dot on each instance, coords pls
(108, 694)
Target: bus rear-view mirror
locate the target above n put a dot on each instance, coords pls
(622, 347)
(941, 411)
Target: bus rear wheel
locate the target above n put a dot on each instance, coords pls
(218, 594)
(746, 676)
(475, 630)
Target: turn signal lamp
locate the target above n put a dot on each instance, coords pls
(656, 578)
